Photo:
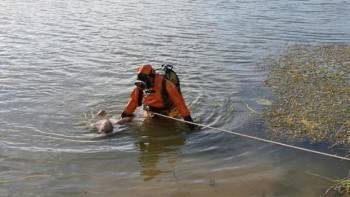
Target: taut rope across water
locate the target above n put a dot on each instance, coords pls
(256, 138)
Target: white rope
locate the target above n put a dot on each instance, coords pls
(256, 138)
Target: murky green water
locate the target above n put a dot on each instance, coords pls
(60, 60)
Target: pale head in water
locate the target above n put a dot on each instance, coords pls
(104, 126)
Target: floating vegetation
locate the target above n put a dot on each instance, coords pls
(340, 188)
(312, 89)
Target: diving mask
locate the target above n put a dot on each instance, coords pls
(140, 84)
(146, 79)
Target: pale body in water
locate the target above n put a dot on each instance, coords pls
(105, 126)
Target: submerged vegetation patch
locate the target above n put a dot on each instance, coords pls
(311, 85)
(340, 188)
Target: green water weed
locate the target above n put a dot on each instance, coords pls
(312, 89)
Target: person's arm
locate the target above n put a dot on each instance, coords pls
(120, 121)
(179, 102)
(176, 98)
(133, 103)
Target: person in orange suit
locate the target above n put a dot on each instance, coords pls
(156, 94)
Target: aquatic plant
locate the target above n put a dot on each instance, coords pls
(343, 187)
(312, 89)
(340, 188)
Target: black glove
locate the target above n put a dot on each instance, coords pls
(123, 115)
(189, 119)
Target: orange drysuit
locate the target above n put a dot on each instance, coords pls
(154, 99)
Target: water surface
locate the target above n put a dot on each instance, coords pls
(61, 60)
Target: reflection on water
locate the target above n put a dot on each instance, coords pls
(158, 138)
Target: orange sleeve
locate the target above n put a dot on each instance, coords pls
(176, 98)
(133, 102)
